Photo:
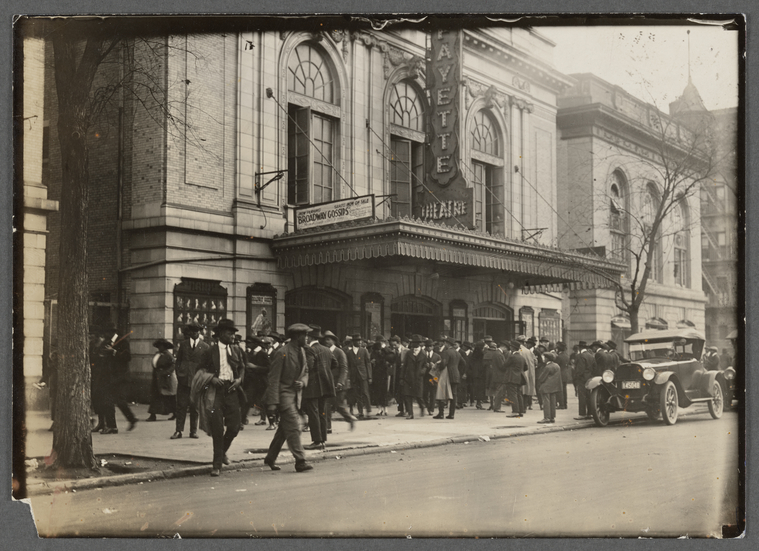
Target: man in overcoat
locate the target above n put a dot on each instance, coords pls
(288, 375)
(549, 384)
(583, 371)
(431, 361)
(342, 382)
(117, 356)
(321, 387)
(449, 364)
(498, 376)
(360, 373)
(189, 353)
(224, 360)
(562, 359)
(412, 373)
(516, 371)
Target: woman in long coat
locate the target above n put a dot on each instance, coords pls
(164, 386)
(412, 380)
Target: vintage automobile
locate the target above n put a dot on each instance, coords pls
(664, 374)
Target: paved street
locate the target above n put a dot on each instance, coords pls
(629, 479)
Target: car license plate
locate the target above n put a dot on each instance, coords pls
(630, 384)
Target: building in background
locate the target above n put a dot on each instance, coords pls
(610, 178)
(719, 214)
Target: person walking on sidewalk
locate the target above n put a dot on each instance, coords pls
(449, 379)
(225, 363)
(342, 382)
(549, 384)
(116, 355)
(288, 376)
(189, 353)
(321, 387)
(562, 359)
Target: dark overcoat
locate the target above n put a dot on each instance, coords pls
(320, 379)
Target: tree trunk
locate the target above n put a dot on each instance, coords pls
(72, 439)
(633, 311)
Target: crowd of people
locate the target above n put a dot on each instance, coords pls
(296, 382)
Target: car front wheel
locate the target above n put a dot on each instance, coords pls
(597, 396)
(668, 403)
(716, 404)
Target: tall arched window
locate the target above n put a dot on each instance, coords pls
(406, 112)
(682, 244)
(618, 218)
(650, 208)
(312, 126)
(487, 178)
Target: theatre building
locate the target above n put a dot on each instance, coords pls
(371, 182)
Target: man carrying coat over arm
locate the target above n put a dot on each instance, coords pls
(288, 375)
(225, 364)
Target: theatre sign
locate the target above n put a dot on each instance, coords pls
(334, 212)
(450, 201)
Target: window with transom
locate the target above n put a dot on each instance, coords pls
(486, 174)
(313, 123)
(406, 115)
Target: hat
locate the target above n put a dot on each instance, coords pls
(449, 340)
(395, 338)
(611, 344)
(712, 348)
(428, 342)
(162, 343)
(582, 344)
(225, 324)
(416, 339)
(192, 326)
(487, 338)
(506, 343)
(255, 341)
(516, 345)
(357, 337)
(467, 344)
(532, 340)
(315, 332)
(298, 328)
(543, 339)
(550, 356)
(521, 338)
(561, 346)
(330, 335)
(380, 338)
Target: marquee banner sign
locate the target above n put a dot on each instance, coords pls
(334, 212)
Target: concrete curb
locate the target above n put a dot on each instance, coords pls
(135, 478)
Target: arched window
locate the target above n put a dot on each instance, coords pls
(682, 244)
(312, 127)
(406, 112)
(487, 174)
(650, 208)
(618, 218)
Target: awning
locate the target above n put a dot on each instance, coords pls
(657, 323)
(621, 322)
(540, 267)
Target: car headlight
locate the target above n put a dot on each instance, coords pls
(649, 374)
(729, 375)
(608, 376)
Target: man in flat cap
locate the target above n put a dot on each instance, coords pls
(225, 362)
(189, 353)
(288, 375)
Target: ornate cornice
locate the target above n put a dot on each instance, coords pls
(493, 96)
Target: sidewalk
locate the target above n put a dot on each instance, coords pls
(151, 440)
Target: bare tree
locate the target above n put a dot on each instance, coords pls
(94, 62)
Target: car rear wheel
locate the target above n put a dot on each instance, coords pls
(598, 396)
(716, 404)
(668, 403)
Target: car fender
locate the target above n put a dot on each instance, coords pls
(665, 376)
(593, 383)
(708, 381)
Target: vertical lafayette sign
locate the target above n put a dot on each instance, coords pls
(443, 81)
(452, 200)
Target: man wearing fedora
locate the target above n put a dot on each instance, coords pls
(224, 360)
(321, 387)
(584, 366)
(189, 353)
(116, 355)
(341, 379)
(288, 375)
(360, 373)
(449, 379)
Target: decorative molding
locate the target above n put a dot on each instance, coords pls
(315, 104)
(409, 134)
(521, 84)
(394, 57)
(492, 95)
